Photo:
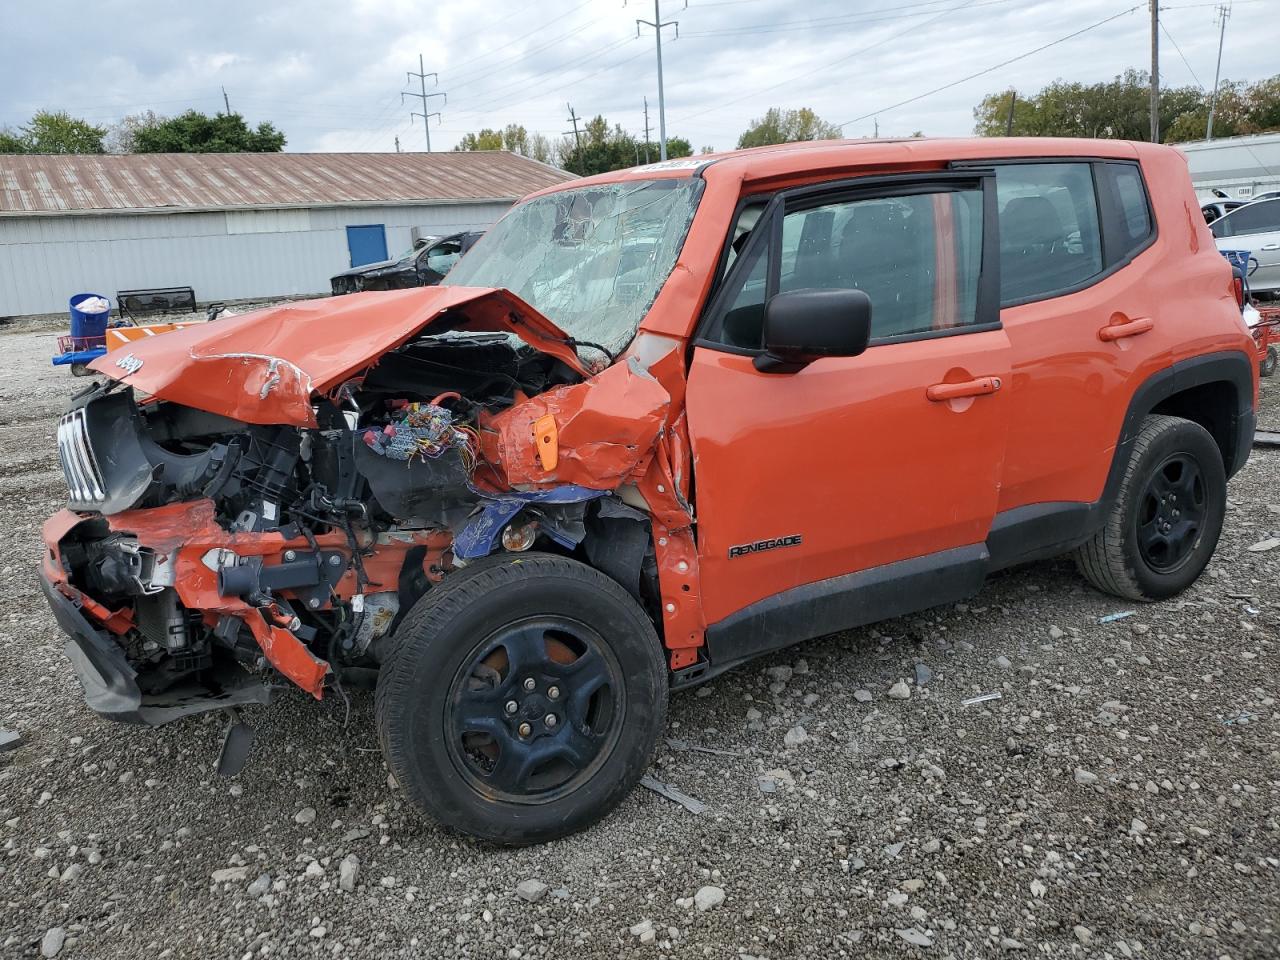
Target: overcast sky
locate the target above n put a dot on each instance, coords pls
(329, 72)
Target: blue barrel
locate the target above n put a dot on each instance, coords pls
(88, 326)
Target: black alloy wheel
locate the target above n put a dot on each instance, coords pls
(534, 709)
(1171, 514)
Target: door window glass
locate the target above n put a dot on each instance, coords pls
(1135, 214)
(1049, 235)
(917, 256)
(742, 323)
(1259, 217)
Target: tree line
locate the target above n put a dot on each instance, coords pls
(56, 131)
(599, 147)
(1120, 109)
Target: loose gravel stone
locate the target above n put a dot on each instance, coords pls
(531, 890)
(349, 872)
(900, 691)
(795, 736)
(52, 941)
(708, 898)
(1085, 778)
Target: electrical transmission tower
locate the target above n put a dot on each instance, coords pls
(1224, 14)
(426, 114)
(658, 23)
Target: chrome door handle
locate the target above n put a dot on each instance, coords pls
(1272, 246)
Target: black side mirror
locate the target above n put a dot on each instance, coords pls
(801, 326)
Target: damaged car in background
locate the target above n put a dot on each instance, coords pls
(480, 497)
(423, 266)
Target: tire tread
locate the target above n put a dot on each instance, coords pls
(1101, 559)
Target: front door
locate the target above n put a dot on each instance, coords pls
(852, 463)
(367, 244)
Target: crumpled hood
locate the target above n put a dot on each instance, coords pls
(264, 367)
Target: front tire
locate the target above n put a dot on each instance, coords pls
(523, 698)
(1166, 520)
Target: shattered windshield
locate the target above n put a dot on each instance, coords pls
(592, 260)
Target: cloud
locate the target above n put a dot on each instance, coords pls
(330, 73)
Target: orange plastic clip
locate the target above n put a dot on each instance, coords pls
(545, 439)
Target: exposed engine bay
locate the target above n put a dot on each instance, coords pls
(216, 553)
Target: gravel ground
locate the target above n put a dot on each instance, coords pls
(1121, 799)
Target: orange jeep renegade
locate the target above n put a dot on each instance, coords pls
(655, 423)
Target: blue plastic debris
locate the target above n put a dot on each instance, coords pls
(479, 537)
(1113, 617)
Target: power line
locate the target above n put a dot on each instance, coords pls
(1185, 61)
(497, 97)
(913, 29)
(826, 23)
(991, 69)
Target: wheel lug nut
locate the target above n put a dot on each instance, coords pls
(529, 683)
(512, 706)
(525, 729)
(551, 720)
(553, 693)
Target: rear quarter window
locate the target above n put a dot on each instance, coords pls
(1050, 236)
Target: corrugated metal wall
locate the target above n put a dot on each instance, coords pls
(223, 256)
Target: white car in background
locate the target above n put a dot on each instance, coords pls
(1254, 227)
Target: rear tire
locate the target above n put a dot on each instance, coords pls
(523, 698)
(1165, 523)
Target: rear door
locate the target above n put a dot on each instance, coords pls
(1254, 227)
(851, 463)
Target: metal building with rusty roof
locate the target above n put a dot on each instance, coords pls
(234, 226)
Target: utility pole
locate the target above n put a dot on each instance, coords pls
(426, 115)
(875, 128)
(658, 23)
(397, 144)
(1155, 70)
(646, 129)
(573, 118)
(1224, 14)
(226, 101)
(1008, 125)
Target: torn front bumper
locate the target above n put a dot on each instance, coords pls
(110, 684)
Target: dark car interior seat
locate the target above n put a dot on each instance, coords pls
(1034, 255)
(882, 253)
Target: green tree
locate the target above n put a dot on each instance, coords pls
(11, 141)
(195, 132)
(603, 148)
(53, 131)
(787, 126)
(1120, 108)
(486, 139)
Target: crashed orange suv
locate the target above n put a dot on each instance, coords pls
(657, 422)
